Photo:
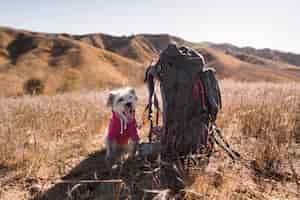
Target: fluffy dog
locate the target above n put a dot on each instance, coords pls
(122, 127)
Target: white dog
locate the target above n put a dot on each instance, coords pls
(122, 127)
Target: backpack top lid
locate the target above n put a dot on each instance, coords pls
(182, 56)
(171, 51)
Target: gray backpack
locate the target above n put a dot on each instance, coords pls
(191, 100)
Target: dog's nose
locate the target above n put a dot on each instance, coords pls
(128, 104)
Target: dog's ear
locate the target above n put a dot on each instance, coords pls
(132, 91)
(110, 99)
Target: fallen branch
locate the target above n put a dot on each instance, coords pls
(194, 193)
(86, 181)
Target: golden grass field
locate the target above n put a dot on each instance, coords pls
(44, 137)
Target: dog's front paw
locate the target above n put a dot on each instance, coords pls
(133, 150)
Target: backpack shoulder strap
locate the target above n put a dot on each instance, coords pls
(213, 93)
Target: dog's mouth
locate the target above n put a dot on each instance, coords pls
(129, 111)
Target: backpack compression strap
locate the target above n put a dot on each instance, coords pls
(150, 79)
(198, 90)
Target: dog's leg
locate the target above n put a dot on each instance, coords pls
(110, 153)
(131, 149)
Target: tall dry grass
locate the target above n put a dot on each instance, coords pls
(261, 121)
(39, 133)
(266, 117)
(42, 135)
(47, 136)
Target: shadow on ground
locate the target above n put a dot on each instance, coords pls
(89, 169)
(141, 178)
(94, 168)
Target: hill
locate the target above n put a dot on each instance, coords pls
(65, 62)
(245, 67)
(266, 53)
(142, 48)
(62, 63)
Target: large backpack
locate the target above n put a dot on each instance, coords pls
(191, 99)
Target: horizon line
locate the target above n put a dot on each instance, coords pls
(137, 34)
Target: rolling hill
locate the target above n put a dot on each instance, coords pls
(65, 62)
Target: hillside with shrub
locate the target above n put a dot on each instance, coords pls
(64, 62)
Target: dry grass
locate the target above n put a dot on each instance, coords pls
(34, 131)
(38, 133)
(46, 137)
(266, 114)
(261, 121)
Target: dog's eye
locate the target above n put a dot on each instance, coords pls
(121, 99)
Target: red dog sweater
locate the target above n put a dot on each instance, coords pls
(122, 137)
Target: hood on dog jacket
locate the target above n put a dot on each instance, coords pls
(122, 137)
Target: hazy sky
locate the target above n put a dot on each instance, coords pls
(258, 23)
